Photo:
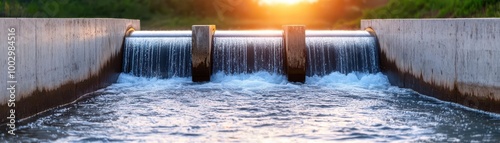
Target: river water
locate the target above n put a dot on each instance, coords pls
(259, 107)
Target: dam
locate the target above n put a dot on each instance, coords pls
(383, 83)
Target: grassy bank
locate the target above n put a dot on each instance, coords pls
(436, 9)
(247, 14)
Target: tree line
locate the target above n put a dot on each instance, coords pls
(144, 9)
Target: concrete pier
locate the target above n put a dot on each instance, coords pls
(202, 52)
(454, 60)
(295, 52)
(58, 60)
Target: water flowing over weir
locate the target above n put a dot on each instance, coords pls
(239, 86)
(341, 51)
(165, 54)
(248, 51)
(158, 54)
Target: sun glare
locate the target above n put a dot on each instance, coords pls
(284, 2)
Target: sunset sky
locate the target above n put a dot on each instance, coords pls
(286, 2)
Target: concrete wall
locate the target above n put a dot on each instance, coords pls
(455, 60)
(59, 60)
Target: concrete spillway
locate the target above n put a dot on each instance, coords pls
(248, 51)
(59, 60)
(158, 54)
(168, 53)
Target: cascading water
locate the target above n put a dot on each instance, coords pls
(341, 51)
(248, 52)
(242, 104)
(168, 54)
(162, 57)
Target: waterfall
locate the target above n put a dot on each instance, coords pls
(233, 55)
(162, 57)
(168, 54)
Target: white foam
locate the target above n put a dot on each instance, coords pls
(142, 83)
(362, 80)
(254, 81)
(262, 76)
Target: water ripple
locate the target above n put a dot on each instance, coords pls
(175, 110)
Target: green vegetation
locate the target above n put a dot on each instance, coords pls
(248, 14)
(436, 9)
(76, 8)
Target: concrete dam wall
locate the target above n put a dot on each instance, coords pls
(456, 60)
(49, 62)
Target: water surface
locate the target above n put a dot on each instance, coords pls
(260, 107)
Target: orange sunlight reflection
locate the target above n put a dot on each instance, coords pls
(285, 2)
(275, 13)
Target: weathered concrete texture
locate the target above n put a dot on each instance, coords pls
(452, 59)
(295, 52)
(59, 60)
(202, 52)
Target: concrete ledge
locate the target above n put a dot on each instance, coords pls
(202, 52)
(295, 52)
(161, 34)
(454, 60)
(59, 60)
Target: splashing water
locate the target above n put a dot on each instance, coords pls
(260, 107)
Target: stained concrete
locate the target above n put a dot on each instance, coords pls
(202, 52)
(59, 60)
(295, 52)
(452, 59)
